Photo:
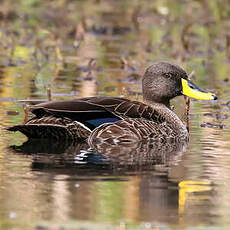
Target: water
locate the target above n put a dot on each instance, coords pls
(143, 186)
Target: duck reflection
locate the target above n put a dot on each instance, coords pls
(56, 154)
(107, 182)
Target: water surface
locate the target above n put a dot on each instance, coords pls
(128, 187)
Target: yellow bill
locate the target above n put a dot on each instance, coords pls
(191, 90)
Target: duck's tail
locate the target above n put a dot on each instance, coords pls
(52, 127)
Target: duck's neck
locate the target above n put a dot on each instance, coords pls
(150, 100)
(170, 117)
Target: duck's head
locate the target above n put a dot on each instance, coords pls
(163, 81)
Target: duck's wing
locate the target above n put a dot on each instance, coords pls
(94, 111)
(75, 119)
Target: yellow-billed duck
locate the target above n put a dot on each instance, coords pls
(116, 119)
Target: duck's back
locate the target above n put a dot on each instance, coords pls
(77, 118)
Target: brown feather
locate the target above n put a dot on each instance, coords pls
(52, 127)
(135, 130)
(91, 107)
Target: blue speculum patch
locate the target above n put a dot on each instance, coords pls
(100, 121)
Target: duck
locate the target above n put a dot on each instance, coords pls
(116, 119)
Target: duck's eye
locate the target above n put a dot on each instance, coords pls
(168, 75)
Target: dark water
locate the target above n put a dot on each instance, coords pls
(143, 186)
